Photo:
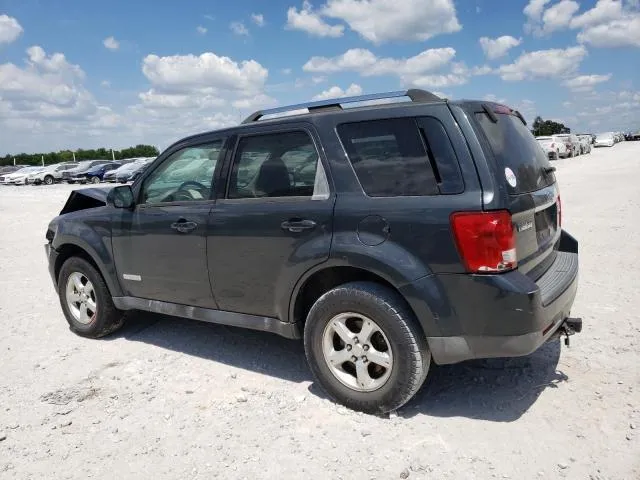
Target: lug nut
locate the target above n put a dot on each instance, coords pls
(349, 347)
(354, 358)
(355, 340)
(365, 359)
(365, 348)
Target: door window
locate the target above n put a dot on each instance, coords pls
(278, 165)
(183, 177)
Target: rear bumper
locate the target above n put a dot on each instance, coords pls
(507, 315)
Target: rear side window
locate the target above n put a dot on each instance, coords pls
(515, 148)
(389, 157)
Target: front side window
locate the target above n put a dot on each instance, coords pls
(389, 157)
(185, 176)
(277, 165)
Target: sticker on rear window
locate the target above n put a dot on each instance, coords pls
(511, 177)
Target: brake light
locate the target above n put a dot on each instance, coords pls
(559, 212)
(485, 240)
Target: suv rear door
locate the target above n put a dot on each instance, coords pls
(526, 177)
(273, 223)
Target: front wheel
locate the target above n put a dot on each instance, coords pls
(365, 347)
(48, 180)
(95, 179)
(86, 301)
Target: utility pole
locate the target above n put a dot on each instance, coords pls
(74, 156)
(113, 158)
(42, 156)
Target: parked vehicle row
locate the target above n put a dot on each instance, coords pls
(609, 139)
(565, 145)
(86, 171)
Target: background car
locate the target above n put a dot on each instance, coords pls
(585, 144)
(83, 166)
(571, 142)
(96, 173)
(19, 177)
(129, 164)
(49, 174)
(136, 170)
(606, 139)
(553, 148)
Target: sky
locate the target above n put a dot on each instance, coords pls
(84, 74)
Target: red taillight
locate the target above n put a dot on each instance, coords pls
(486, 241)
(559, 212)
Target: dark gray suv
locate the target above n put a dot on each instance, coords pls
(386, 230)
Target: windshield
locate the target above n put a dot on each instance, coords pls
(517, 152)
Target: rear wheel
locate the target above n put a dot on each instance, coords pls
(48, 180)
(95, 179)
(86, 301)
(365, 347)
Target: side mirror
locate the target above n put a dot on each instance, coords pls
(121, 197)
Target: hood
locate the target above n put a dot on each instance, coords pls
(86, 198)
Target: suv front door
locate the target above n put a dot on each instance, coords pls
(273, 224)
(160, 247)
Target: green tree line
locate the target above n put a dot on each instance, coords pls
(548, 127)
(68, 155)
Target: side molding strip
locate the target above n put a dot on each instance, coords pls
(254, 322)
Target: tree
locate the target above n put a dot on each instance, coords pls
(80, 154)
(548, 127)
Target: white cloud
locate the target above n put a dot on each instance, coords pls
(494, 98)
(201, 30)
(367, 64)
(337, 92)
(105, 84)
(286, 71)
(559, 16)
(603, 11)
(10, 29)
(310, 21)
(382, 21)
(585, 82)
(258, 19)
(111, 43)
(239, 28)
(498, 47)
(533, 12)
(624, 32)
(551, 63)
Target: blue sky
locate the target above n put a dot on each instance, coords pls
(79, 74)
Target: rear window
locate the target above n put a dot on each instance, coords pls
(389, 157)
(516, 149)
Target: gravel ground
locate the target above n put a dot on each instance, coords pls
(170, 398)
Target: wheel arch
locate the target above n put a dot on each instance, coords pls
(317, 282)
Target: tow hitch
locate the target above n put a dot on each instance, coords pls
(569, 327)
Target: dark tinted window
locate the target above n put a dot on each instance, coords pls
(515, 148)
(442, 155)
(277, 165)
(389, 157)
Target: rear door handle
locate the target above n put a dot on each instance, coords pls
(295, 225)
(182, 226)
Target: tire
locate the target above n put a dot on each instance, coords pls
(95, 179)
(399, 330)
(48, 180)
(101, 318)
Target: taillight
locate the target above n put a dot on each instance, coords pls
(485, 240)
(559, 212)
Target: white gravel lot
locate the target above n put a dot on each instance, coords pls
(168, 398)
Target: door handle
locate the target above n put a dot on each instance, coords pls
(182, 226)
(295, 225)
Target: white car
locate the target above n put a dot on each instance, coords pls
(585, 143)
(607, 139)
(49, 174)
(553, 148)
(19, 177)
(571, 141)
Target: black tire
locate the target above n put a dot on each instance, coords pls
(107, 318)
(95, 179)
(411, 356)
(48, 180)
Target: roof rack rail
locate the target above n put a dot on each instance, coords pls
(416, 95)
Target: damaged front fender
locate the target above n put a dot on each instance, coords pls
(86, 198)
